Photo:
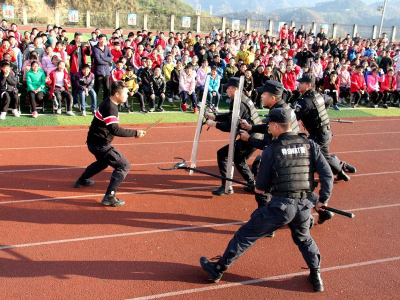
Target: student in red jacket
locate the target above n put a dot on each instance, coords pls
(388, 86)
(77, 53)
(118, 72)
(116, 51)
(59, 82)
(289, 81)
(358, 86)
(331, 87)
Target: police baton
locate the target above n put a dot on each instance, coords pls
(182, 165)
(341, 121)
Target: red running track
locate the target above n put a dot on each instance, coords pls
(58, 242)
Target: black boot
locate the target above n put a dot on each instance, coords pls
(221, 191)
(343, 176)
(111, 200)
(349, 168)
(316, 280)
(250, 189)
(82, 183)
(324, 216)
(214, 269)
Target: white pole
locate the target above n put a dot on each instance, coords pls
(383, 16)
(234, 127)
(193, 159)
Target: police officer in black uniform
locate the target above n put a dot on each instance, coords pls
(101, 133)
(287, 171)
(271, 95)
(243, 150)
(312, 112)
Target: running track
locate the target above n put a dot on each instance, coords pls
(58, 242)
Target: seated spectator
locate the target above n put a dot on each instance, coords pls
(201, 76)
(47, 63)
(8, 91)
(230, 70)
(248, 86)
(175, 74)
(130, 80)
(331, 88)
(60, 49)
(289, 80)
(213, 89)
(118, 72)
(219, 64)
(374, 92)
(146, 78)
(158, 90)
(36, 46)
(187, 84)
(60, 83)
(36, 83)
(358, 86)
(5, 48)
(84, 82)
(116, 51)
(318, 72)
(388, 87)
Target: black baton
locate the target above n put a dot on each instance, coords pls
(339, 212)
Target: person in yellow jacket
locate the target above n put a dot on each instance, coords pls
(131, 81)
(242, 54)
(251, 56)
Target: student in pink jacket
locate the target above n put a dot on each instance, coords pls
(187, 84)
(373, 88)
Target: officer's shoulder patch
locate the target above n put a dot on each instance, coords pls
(298, 107)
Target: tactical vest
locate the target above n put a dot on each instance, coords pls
(323, 117)
(294, 176)
(255, 118)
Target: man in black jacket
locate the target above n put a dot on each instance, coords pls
(101, 133)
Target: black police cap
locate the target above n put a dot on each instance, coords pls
(306, 78)
(271, 86)
(279, 115)
(233, 81)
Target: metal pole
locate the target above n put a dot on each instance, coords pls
(383, 16)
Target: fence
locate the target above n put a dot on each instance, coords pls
(113, 19)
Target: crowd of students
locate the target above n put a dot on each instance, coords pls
(156, 67)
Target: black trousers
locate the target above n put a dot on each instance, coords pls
(386, 96)
(33, 98)
(242, 152)
(8, 99)
(105, 82)
(323, 140)
(140, 98)
(60, 95)
(107, 155)
(376, 97)
(296, 213)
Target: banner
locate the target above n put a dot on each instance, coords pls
(235, 24)
(132, 19)
(73, 16)
(325, 27)
(8, 11)
(186, 22)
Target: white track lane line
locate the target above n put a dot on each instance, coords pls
(149, 191)
(265, 279)
(169, 162)
(157, 231)
(164, 127)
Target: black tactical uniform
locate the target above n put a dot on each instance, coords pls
(312, 112)
(287, 171)
(243, 150)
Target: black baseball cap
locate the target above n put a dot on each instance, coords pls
(279, 115)
(233, 81)
(306, 78)
(272, 87)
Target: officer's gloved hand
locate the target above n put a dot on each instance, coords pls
(263, 199)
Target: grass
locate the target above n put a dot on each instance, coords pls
(171, 115)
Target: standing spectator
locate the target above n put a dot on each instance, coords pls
(8, 91)
(316, 67)
(284, 33)
(77, 58)
(187, 84)
(5, 48)
(345, 82)
(175, 74)
(230, 70)
(59, 90)
(14, 47)
(36, 83)
(84, 82)
(116, 51)
(101, 61)
(36, 46)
